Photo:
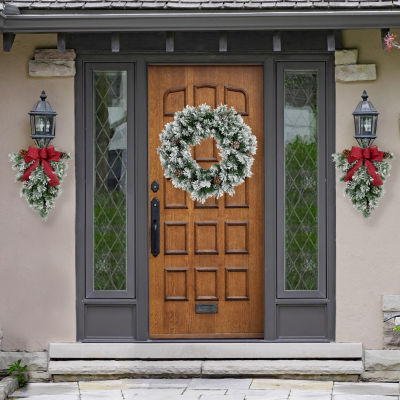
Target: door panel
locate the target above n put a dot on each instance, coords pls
(211, 252)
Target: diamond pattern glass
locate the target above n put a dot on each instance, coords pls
(301, 180)
(109, 171)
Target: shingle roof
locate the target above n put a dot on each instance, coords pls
(204, 4)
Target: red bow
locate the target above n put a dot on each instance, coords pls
(43, 155)
(367, 155)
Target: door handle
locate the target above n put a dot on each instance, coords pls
(155, 227)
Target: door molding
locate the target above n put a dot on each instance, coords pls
(140, 303)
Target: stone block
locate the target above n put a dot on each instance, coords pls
(381, 376)
(36, 361)
(282, 367)
(391, 337)
(38, 376)
(344, 57)
(390, 302)
(7, 386)
(355, 73)
(51, 68)
(54, 54)
(125, 368)
(381, 360)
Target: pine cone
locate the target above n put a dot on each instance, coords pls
(178, 173)
(175, 140)
(386, 154)
(346, 152)
(23, 153)
(217, 180)
(236, 145)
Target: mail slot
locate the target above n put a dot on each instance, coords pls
(206, 308)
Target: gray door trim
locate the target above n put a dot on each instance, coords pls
(141, 302)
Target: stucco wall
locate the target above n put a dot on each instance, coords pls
(37, 259)
(368, 251)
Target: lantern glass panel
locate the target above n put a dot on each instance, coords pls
(366, 125)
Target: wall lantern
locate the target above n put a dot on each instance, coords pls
(43, 122)
(365, 122)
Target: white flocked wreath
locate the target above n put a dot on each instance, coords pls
(235, 142)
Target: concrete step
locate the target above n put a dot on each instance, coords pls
(107, 369)
(203, 351)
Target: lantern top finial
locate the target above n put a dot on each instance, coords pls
(43, 95)
(364, 96)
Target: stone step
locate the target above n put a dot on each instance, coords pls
(182, 351)
(107, 369)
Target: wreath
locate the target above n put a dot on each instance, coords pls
(41, 172)
(364, 170)
(235, 142)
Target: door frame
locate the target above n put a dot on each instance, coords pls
(140, 304)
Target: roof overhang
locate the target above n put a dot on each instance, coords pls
(172, 20)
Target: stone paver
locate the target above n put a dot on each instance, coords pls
(229, 383)
(101, 394)
(290, 384)
(263, 394)
(209, 389)
(47, 389)
(301, 394)
(362, 397)
(366, 388)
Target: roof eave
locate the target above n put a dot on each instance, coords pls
(172, 20)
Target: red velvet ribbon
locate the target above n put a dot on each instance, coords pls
(366, 155)
(43, 155)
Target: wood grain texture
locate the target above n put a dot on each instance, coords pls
(220, 258)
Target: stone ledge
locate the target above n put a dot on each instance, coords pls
(8, 385)
(52, 68)
(344, 57)
(355, 73)
(203, 351)
(382, 360)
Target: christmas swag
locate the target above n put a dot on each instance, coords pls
(235, 142)
(364, 171)
(41, 171)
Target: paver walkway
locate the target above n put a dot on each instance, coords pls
(209, 389)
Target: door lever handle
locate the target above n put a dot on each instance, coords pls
(155, 227)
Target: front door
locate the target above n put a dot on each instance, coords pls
(211, 252)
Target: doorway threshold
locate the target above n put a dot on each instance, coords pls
(204, 351)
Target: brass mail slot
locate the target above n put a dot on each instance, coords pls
(206, 308)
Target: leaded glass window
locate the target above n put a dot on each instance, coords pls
(301, 179)
(110, 174)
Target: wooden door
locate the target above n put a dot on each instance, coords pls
(212, 252)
